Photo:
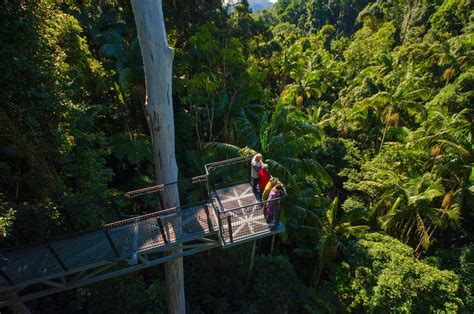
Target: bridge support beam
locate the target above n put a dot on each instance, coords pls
(113, 269)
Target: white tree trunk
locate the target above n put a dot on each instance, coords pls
(158, 62)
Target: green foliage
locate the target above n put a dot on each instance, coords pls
(122, 295)
(225, 284)
(157, 295)
(381, 275)
(136, 148)
(7, 215)
(466, 273)
(314, 14)
(459, 261)
(451, 16)
(367, 44)
(331, 231)
(362, 108)
(276, 287)
(53, 149)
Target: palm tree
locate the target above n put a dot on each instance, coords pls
(312, 71)
(307, 80)
(120, 44)
(448, 137)
(411, 205)
(391, 95)
(285, 138)
(331, 231)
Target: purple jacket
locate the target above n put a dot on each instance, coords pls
(271, 205)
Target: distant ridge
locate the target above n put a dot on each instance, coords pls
(259, 5)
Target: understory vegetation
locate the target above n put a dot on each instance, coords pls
(363, 108)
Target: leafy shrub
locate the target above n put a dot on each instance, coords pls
(382, 276)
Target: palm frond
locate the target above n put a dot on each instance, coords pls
(457, 146)
(379, 100)
(331, 212)
(249, 131)
(423, 232)
(356, 231)
(282, 172)
(222, 148)
(307, 167)
(387, 219)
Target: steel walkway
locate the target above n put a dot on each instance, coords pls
(228, 215)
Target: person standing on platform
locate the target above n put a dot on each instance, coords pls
(263, 178)
(271, 206)
(273, 181)
(255, 167)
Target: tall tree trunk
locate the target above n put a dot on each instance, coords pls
(383, 136)
(158, 63)
(317, 274)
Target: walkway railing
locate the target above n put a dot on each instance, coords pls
(183, 215)
(228, 172)
(170, 195)
(240, 215)
(118, 240)
(246, 221)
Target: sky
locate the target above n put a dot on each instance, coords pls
(254, 1)
(274, 1)
(256, 5)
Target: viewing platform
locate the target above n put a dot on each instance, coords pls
(241, 215)
(220, 210)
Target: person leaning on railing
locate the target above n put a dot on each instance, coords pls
(274, 196)
(274, 181)
(270, 185)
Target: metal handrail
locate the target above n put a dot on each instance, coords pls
(254, 204)
(224, 163)
(160, 213)
(161, 187)
(228, 220)
(118, 236)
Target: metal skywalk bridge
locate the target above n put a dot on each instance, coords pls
(224, 213)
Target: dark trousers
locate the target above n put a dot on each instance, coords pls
(255, 189)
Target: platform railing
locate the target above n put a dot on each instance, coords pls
(117, 239)
(230, 217)
(111, 242)
(180, 214)
(173, 194)
(228, 172)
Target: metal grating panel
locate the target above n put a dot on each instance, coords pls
(245, 223)
(30, 263)
(194, 223)
(84, 249)
(139, 235)
(127, 236)
(235, 196)
(245, 212)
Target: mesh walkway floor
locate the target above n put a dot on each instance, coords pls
(239, 205)
(116, 241)
(125, 246)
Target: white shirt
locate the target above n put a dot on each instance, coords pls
(255, 167)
